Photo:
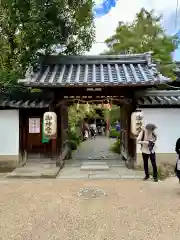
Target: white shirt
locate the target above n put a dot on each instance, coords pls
(144, 142)
(93, 126)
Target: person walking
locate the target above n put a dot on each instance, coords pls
(85, 130)
(147, 139)
(118, 128)
(177, 168)
(93, 130)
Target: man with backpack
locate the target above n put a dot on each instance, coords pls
(147, 139)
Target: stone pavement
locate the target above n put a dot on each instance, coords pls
(94, 160)
(96, 149)
(35, 170)
(52, 209)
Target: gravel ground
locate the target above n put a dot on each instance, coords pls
(51, 209)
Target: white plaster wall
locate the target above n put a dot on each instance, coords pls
(168, 127)
(9, 132)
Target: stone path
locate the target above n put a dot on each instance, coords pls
(93, 159)
(96, 149)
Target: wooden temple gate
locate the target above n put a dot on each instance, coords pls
(94, 78)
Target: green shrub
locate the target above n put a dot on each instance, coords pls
(73, 145)
(75, 138)
(116, 147)
(113, 133)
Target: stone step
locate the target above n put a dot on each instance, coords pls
(94, 163)
(97, 158)
(94, 167)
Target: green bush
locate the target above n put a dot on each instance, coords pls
(116, 147)
(73, 145)
(75, 138)
(113, 133)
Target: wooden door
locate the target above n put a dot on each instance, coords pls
(34, 136)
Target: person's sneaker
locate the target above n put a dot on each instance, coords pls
(155, 180)
(145, 178)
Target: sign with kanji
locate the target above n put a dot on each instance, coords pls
(34, 125)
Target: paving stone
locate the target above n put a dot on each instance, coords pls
(68, 173)
(95, 162)
(94, 167)
(35, 171)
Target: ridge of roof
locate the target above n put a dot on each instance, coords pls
(57, 59)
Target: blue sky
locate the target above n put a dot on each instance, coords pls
(125, 10)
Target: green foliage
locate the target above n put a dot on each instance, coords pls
(74, 137)
(145, 34)
(113, 114)
(31, 27)
(116, 147)
(8, 80)
(77, 115)
(73, 145)
(113, 133)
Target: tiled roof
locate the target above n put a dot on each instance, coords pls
(135, 69)
(158, 98)
(24, 104)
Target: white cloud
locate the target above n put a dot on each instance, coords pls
(125, 10)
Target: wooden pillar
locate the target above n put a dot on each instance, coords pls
(62, 115)
(128, 144)
(58, 137)
(64, 123)
(54, 148)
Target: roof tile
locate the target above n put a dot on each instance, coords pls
(158, 98)
(97, 70)
(24, 104)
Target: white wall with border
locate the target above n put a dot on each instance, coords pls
(9, 134)
(167, 121)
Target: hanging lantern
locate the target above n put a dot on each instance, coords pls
(137, 122)
(50, 123)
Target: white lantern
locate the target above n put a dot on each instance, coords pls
(137, 122)
(50, 123)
